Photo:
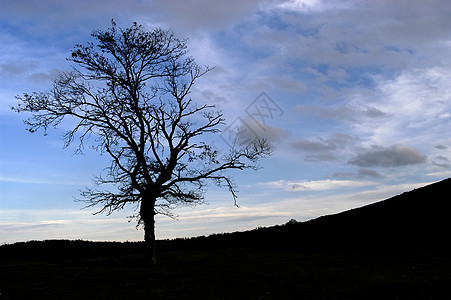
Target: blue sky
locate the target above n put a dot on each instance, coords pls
(356, 103)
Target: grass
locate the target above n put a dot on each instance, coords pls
(234, 272)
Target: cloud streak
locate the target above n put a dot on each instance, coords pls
(317, 185)
(324, 149)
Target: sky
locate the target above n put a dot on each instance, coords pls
(354, 97)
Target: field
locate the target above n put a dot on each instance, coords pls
(192, 270)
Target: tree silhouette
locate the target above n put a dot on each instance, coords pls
(129, 96)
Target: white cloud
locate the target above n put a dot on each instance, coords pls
(417, 104)
(318, 185)
(442, 174)
(40, 180)
(311, 5)
(38, 224)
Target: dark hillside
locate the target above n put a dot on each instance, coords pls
(412, 218)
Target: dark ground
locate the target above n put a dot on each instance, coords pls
(115, 271)
(396, 249)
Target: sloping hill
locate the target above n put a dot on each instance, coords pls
(418, 216)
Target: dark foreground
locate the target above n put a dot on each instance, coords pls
(399, 248)
(86, 270)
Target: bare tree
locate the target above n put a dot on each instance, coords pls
(129, 96)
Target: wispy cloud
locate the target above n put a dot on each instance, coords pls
(40, 180)
(442, 174)
(325, 149)
(416, 101)
(40, 224)
(318, 185)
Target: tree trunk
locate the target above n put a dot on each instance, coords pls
(149, 241)
(147, 214)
